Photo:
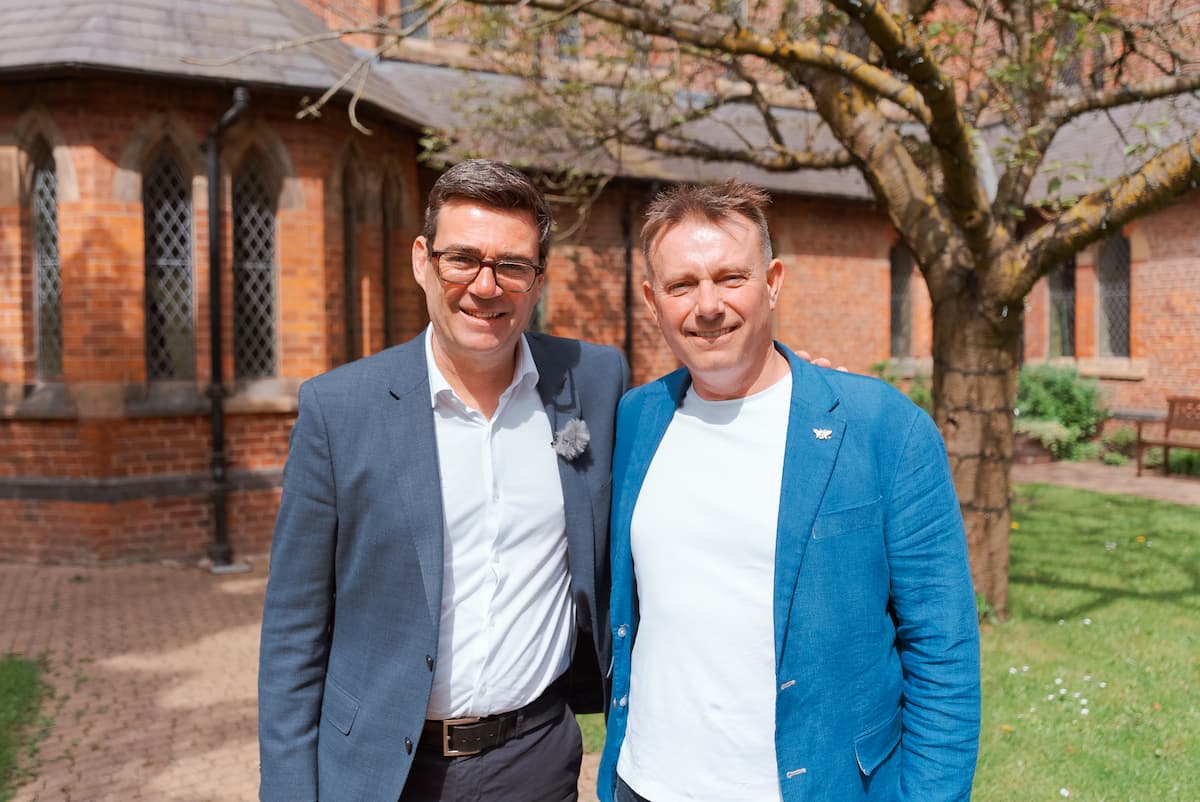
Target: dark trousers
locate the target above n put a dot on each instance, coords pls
(540, 766)
(627, 794)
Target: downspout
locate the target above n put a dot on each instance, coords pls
(219, 550)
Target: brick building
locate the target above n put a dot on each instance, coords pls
(106, 419)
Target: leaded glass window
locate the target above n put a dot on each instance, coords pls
(47, 276)
(901, 325)
(170, 319)
(1114, 296)
(411, 13)
(349, 267)
(1062, 310)
(253, 275)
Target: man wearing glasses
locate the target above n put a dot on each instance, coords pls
(436, 605)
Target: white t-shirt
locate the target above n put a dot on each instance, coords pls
(702, 689)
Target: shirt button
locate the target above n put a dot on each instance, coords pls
(408, 745)
(429, 662)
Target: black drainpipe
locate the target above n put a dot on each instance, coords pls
(219, 550)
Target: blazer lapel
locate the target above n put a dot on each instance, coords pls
(557, 389)
(814, 437)
(414, 464)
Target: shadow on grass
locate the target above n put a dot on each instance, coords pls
(1093, 550)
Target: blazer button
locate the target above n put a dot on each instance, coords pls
(408, 745)
(429, 662)
(621, 631)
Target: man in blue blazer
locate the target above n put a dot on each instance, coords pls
(792, 608)
(436, 604)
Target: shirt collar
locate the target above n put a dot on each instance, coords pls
(525, 373)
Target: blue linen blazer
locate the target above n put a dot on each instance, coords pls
(876, 634)
(354, 598)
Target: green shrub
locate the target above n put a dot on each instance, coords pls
(1057, 439)
(1184, 461)
(1120, 440)
(1114, 458)
(918, 391)
(1050, 393)
(1152, 457)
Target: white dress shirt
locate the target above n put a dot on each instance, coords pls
(508, 619)
(702, 688)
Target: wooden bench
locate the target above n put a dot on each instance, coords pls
(1183, 419)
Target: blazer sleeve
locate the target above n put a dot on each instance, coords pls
(297, 612)
(933, 601)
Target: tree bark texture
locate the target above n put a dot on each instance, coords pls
(975, 363)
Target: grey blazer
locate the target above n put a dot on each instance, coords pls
(353, 604)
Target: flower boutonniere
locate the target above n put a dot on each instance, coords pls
(571, 440)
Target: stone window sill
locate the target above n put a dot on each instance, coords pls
(1118, 368)
(116, 400)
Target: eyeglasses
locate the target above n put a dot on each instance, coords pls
(455, 267)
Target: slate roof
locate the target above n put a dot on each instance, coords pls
(1094, 145)
(154, 36)
(446, 92)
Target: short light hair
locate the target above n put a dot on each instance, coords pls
(712, 202)
(490, 183)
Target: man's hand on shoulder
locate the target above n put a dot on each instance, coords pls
(820, 361)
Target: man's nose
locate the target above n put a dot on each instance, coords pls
(484, 285)
(709, 302)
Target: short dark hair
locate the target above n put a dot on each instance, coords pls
(713, 202)
(490, 183)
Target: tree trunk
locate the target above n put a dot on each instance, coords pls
(975, 362)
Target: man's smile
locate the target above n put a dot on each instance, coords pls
(711, 334)
(482, 315)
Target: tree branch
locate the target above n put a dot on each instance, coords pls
(1061, 112)
(667, 22)
(1160, 180)
(784, 159)
(904, 50)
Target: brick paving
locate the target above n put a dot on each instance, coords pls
(154, 675)
(1112, 479)
(153, 666)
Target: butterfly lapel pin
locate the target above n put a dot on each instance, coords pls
(822, 434)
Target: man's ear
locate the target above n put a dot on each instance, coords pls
(648, 297)
(774, 280)
(420, 260)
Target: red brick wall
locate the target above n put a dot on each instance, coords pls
(1164, 324)
(98, 477)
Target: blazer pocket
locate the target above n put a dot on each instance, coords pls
(840, 522)
(873, 746)
(339, 707)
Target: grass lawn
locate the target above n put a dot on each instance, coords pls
(1091, 689)
(21, 691)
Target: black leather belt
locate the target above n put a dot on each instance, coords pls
(458, 737)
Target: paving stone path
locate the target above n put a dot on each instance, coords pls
(154, 675)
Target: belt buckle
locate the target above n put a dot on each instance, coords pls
(452, 722)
